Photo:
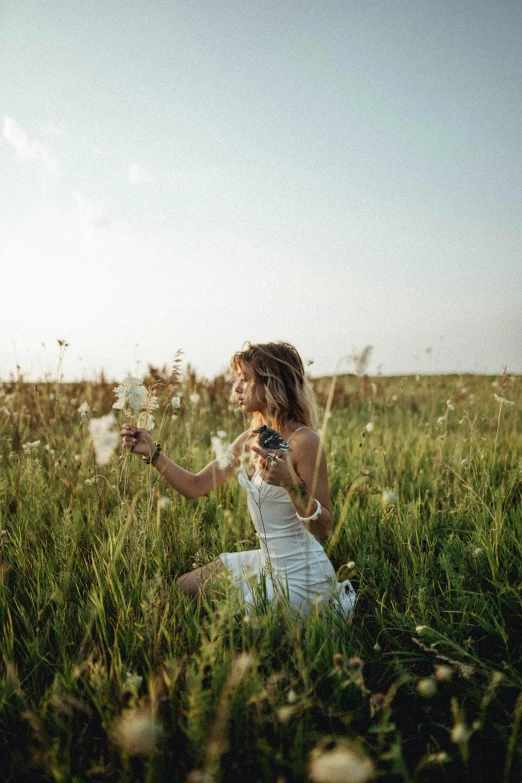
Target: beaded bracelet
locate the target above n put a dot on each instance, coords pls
(154, 456)
(315, 515)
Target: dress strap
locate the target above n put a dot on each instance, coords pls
(297, 430)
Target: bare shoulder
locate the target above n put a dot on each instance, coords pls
(305, 440)
(240, 441)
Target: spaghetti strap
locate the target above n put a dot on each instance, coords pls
(297, 430)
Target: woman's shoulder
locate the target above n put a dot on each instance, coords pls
(304, 437)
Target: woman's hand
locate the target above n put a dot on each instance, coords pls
(276, 470)
(137, 440)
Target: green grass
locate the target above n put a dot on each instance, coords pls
(108, 673)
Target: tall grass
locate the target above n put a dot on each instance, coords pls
(109, 673)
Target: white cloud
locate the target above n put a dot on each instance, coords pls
(94, 217)
(28, 149)
(137, 175)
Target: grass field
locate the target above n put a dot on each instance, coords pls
(108, 673)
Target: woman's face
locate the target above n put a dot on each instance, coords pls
(249, 391)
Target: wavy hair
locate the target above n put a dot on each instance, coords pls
(289, 394)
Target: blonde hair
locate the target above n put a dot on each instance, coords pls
(289, 394)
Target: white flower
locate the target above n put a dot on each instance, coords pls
(224, 454)
(427, 687)
(137, 732)
(104, 437)
(388, 497)
(450, 405)
(464, 462)
(442, 420)
(478, 552)
(344, 763)
(84, 409)
(176, 402)
(369, 427)
(502, 400)
(132, 681)
(460, 733)
(494, 384)
(195, 398)
(27, 447)
(221, 434)
(145, 420)
(131, 395)
(164, 502)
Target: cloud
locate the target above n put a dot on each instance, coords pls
(137, 175)
(28, 149)
(94, 218)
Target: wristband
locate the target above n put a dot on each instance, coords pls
(315, 515)
(154, 456)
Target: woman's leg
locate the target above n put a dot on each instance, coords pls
(197, 581)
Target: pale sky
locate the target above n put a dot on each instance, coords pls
(194, 174)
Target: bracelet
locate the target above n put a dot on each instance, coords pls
(154, 456)
(317, 513)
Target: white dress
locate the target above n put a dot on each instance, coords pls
(291, 562)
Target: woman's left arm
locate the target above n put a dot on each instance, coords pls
(305, 478)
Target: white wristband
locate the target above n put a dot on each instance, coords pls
(317, 513)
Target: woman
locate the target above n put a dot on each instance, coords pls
(287, 490)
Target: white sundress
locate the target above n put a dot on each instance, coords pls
(291, 562)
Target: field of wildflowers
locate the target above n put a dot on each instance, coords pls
(108, 673)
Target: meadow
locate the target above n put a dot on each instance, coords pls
(109, 673)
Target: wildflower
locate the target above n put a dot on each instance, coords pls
(338, 660)
(345, 762)
(28, 447)
(478, 552)
(369, 427)
(195, 398)
(442, 420)
(351, 565)
(164, 502)
(84, 409)
(464, 462)
(224, 454)
(502, 400)
(443, 673)
(137, 732)
(131, 394)
(377, 701)
(132, 681)
(291, 696)
(176, 402)
(221, 434)
(494, 384)
(145, 420)
(427, 687)
(388, 497)
(355, 663)
(460, 733)
(450, 405)
(104, 437)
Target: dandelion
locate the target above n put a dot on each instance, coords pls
(84, 409)
(105, 437)
(131, 395)
(345, 762)
(369, 427)
(137, 732)
(176, 402)
(195, 398)
(388, 497)
(28, 447)
(502, 400)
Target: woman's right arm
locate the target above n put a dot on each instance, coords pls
(190, 485)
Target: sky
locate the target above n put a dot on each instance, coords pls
(195, 174)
